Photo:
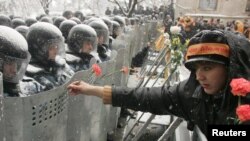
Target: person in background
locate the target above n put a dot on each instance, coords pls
(214, 59)
(108, 12)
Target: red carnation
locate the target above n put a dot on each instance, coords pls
(240, 87)
(243, 112)
(96, 69)
(125, 70)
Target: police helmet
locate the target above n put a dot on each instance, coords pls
(116, 28)
(14, 54)
(30, 21)
(80, 34)
(77, 20)
(5, 20)
(79, 15)
(101, 30)
(17, 22)
(46, 19)
(120, 20)
(108, 22)
(66, 26)
(43, 36)
(58, 21)
(22, 29)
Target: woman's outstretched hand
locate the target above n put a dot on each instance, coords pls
(78, 87)
(81, 87)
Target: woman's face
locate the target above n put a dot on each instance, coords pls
(211, 76)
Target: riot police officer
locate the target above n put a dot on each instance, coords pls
(82, 39)
(14, 58)
(116, 31)
(46, 46)
(65, 27)
(103, 39)
(121, 21)
(109, 23)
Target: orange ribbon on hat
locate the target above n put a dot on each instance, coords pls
(208, 49)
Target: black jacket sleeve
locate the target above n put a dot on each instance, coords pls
(158, 100)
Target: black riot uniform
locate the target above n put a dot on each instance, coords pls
(103, 39)
(82, 39)
(14, 58)
(52, 69)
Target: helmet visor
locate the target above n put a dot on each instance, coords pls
(89, 41)
(13, 68)
(55, 48)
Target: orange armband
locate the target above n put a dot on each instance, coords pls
(107, 95)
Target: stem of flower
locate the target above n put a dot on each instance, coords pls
(239, 101)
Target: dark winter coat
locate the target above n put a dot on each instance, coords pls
(191, 104)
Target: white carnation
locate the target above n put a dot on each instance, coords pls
(175, 29)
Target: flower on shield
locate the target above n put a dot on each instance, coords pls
(124, 70)
(96, 69)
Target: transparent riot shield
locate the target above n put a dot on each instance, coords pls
(117, 44)
(2, 131)
(113, 55)
(111, 112)
(79, 112)
(38, 117)
(1, 85)
(118, 65)
(98, 131)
